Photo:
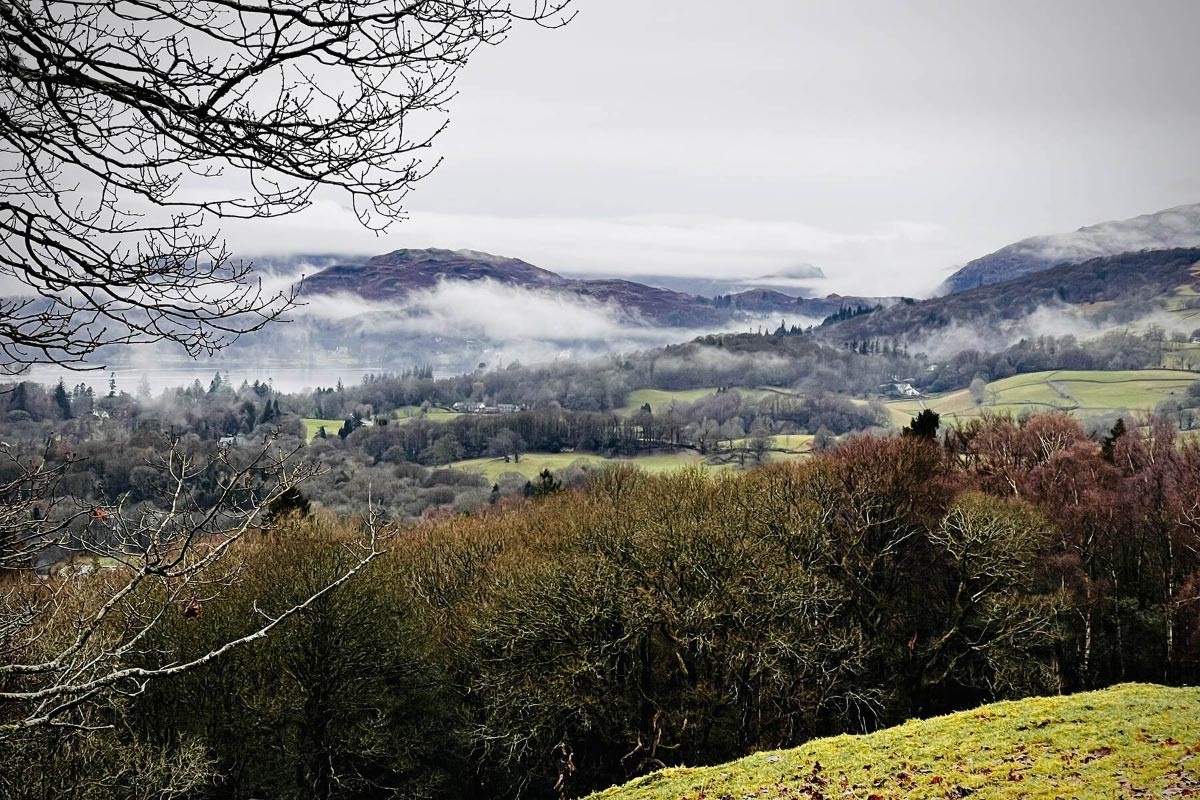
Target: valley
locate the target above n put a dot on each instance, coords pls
(653, 560)
(599, 400)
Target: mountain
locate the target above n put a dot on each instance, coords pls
(1172, 228)
(1109, 290)
(393, 277)
(798, 280)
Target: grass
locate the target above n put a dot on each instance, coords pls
(1133, 740)
(531, 464)
(793, 442)
(660, 399)
(406, 414)
(313, 426)
(1085, 393)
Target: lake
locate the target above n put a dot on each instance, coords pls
(282, 378)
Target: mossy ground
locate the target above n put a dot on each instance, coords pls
(1131, 741)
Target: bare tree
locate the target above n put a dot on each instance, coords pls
(76, 635)
(109, 108)
(129, 129)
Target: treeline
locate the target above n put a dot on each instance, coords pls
(740, 360)
(550, 648)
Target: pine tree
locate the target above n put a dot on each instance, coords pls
(1108, 443)
(923, 426)
(62, 400)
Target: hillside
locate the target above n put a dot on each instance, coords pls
(392, 277)
(1174, 227)
(1112, 289)
(1133, 740)
(1084, 393)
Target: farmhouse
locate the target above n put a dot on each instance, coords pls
(484, 408)
(900, 389)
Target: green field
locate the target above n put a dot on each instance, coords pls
(406, 414)
(1130, 741)
(532, 464)
(793, 442)
(313, 426)
(1084, 393)
(660, 399)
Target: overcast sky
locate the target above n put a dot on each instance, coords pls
(883, 141)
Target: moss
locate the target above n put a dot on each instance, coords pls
(1130, 741)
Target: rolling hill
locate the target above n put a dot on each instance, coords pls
(393, 277)
(1129, 741)
(1108, 290)
(1172, 228)
(1083, 393)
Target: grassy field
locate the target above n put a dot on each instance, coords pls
(1129, 741)
(313, 426)
(406, 414)
(532, 464)
(794, 442)
(1083, 393)
(660, 399)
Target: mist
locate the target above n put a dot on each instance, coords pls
(1048, 320)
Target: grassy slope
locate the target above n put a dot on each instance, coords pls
(532, 464)
(797, 442)
(406, 414)
(313, 426)
(660, 399)
(1083, 392)
(1129, 741)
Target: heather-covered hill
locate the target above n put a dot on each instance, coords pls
(394, 277)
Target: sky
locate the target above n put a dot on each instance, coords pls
(885, 142)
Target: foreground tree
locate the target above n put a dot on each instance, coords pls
(128, 131)
(65, 643)
(110, 109)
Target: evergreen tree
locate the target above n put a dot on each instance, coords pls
(546, 485)
(19, 400)
(1108, 443)
(62, 400)
(923, 426)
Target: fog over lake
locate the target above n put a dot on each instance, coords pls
(129, 379)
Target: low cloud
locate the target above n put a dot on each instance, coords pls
(1050, 320)
(515, 323)
(1176, 227)
(900, 257)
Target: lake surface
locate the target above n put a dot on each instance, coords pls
(282, 378)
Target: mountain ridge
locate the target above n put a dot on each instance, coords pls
(1115, 289)
(1170, 228)
(393, 277)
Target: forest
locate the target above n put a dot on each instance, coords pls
(550, 646)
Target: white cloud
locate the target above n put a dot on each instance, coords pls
(863, 261)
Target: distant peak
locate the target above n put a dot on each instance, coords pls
(797, 272)
(1170, 228)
